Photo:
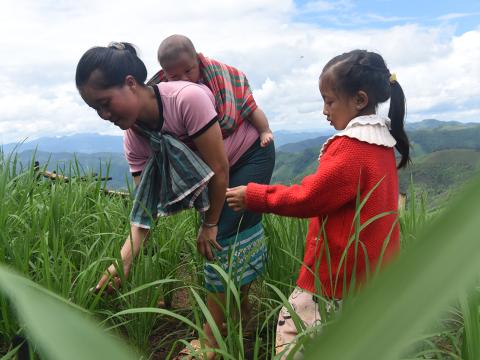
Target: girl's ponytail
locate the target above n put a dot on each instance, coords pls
(396, 113)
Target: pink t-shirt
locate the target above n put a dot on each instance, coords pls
(188, 109)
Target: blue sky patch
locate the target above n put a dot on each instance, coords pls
(350, 14)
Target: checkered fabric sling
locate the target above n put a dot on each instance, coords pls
(174, 178)
(234, 101)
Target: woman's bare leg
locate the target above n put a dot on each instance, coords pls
(216, 306)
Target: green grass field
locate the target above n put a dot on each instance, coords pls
(57, 238)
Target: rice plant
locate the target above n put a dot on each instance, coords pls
(59, 237)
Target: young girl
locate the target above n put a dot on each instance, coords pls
(357, 160)
(174, 118)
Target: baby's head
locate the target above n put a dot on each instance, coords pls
(178, 58)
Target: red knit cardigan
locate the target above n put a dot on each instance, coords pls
(328, 197)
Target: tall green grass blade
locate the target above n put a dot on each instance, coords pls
(11, 354)
(58, 330)
(470, 306)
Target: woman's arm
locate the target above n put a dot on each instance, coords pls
(135, 239)
(211, 148)
(130, 249)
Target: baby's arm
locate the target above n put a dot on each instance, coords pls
(260, 122)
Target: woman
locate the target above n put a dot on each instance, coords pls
(111, 81)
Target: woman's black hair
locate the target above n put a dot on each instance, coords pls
(364, 70)
(114, 62)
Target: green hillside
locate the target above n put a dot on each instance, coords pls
(441, 173)
(288, 166)
(427, 124)
(443, 159)
(425, 137)
(446, 138)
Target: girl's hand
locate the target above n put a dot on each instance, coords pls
(207, 236)
(236, 197)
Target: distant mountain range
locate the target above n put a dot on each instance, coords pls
(445, 155)
(82, 143)
(95, 152)
(423, 127)
(95, 143)
(284, 137)
(430, 124)
(112, 164)
(285, 140)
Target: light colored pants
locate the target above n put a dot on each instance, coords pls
(305, 304)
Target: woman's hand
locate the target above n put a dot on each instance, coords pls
(207, 236)
(112, 274)
(130, 249)
(236, 197)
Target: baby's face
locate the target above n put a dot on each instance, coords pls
(186, 68)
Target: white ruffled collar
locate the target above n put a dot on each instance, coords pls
(373, 129)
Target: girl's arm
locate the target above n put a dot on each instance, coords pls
(211, 148)
(334, 184)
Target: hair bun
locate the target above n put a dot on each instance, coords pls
(116, 45)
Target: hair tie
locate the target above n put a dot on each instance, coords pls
(116, 45)
(393, 78)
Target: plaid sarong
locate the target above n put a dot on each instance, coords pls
(234, 101)
(173, 179)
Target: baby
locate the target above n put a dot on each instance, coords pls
(180, 61)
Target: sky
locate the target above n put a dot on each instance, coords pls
(282, 45)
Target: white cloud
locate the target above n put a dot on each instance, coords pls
(453, 16)
(281, 55)
(447, 83)
(320, 6)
